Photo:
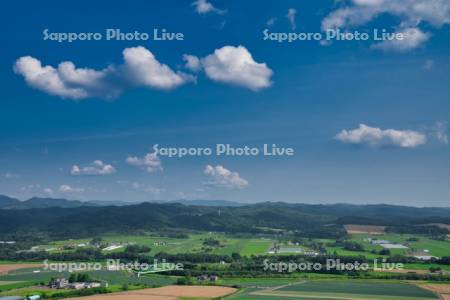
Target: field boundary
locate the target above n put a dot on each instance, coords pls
(342, 296)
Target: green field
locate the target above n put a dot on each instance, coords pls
(257, 282)
(360, 287)
(321, 286)
(193, 244)
(25, 281)
(426, 266)
(337, 289)
(436, 248)
(8, 282)
(256, 246)
(297, 286)
(342, 252)
(112, 277)
(6, 286)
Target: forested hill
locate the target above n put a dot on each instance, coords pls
(307, 220)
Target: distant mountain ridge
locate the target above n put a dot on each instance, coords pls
(36, 202)
(309, 220)
(343, 209)
(207, 202)
(7, 202)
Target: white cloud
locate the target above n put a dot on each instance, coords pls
(292, 12)
(66, 80)
(204, 7)
(140, 68)
(236, 66)
(36, 189)
(223, 177)
(48, 191)
(439, 131)
(97, 167)
(413, 38)
(68, 189)
(376, 137)
(150, 162)
(411, 14)
(229, 64)
(192, 62)
(368, 2)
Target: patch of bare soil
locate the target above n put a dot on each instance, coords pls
(442, 289)
(4, 269)
(170, 292)
(364, 229)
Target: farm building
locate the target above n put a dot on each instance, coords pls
(422, 255)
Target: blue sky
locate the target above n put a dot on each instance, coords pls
(83, 130)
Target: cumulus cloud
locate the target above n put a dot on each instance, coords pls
(140, 68)
(143, 69)
(413, 38)
(204, 7)
(192, 62)
(150, 162)
(292, 12)
(236, 66)
(229, 64)
(222, 177)
(411, 14)
(65, 81)
(376, 137)
(65, 188)
(97, 167)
